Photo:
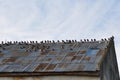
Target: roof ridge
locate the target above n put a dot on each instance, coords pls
(58, 41)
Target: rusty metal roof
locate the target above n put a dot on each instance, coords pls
(51, 56)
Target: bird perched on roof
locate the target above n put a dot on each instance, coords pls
(58, 41)
(63, 41)
(105, 39)
(94, 39)
(102, 39)
(91, 40)
(87, 40)
(53, 41)
(41, 42)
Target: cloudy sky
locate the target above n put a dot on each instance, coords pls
(60, 19)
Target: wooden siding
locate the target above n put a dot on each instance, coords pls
(109, 68)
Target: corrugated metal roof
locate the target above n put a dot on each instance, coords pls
(48, 56)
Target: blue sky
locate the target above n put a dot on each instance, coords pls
(60, 19)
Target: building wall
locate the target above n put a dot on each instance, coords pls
(109, 69)
(51, 78)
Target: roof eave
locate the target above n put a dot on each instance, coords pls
(29, 74)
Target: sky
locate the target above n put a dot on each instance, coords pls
(60, 20)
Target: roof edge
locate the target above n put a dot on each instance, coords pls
(53, 41)
(29, 74)
(111, 42)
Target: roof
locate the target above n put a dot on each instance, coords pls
(52, 57)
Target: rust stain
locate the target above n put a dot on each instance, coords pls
(87, 58)
(71, 53)
(68, 59)
(41, 67)
(76, 58)
(1, 54)
(82, 52)
(51, 67)
(100, 52)
(8, 60)
(62, 65)
(40, 59)
(58, 59)
(44, 53)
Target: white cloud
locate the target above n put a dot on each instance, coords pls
(60, 19)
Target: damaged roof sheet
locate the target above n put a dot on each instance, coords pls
(64, 56)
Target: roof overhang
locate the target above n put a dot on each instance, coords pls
(29, 74)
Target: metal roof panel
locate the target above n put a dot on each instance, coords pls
(51, 57)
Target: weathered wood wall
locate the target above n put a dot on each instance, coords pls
(109, 68)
